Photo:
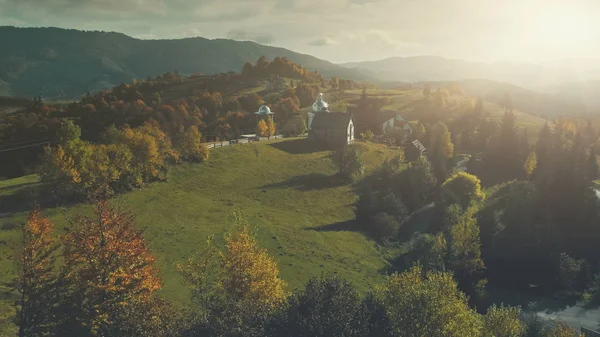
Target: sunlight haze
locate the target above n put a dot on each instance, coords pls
(344, 30)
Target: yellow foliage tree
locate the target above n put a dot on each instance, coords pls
(251, 277)
(271, 127)
(108, 266)
(262, 129)
(530, 164)
(37, 278)
(190, 145)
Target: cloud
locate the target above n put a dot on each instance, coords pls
(242, 35)
(192, 32)
(325, 41)
(101, 6)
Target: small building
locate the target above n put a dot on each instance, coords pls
(333, 128)
(392, 121)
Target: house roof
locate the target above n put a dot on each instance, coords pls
(385, 115)
(331, 120)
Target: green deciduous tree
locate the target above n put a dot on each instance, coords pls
(428, 304)
(503, 322)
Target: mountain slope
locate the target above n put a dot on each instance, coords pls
(433, 68)
(59, 63)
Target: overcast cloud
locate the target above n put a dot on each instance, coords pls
(343, 30)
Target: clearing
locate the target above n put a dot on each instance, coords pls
(284, 188)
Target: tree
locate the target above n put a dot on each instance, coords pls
(262, 129)
(270, 128)
(251, 276)
(349, 160)
(503, 322)
(67, 132)
(190, 145)
(462, 189)
(203, 273)
(37, 278)
(423, 304)
(326, 307)
(563, 330)
(464, 252)
(108, 265)
(530, 164)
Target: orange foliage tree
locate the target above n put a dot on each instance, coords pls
(108, 265)
(37, 279)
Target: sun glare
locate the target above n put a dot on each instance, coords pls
(562, 31)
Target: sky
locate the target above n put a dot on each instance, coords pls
(533, 31)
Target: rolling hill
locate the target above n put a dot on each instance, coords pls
(58, 63)
(286, 190)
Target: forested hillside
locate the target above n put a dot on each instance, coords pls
(59, 63)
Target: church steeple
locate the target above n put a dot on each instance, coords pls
(320, 105)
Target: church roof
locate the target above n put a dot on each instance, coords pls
(320, 105)
(264, 110)
(331, 120)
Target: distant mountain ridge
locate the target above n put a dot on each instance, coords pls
(61, 63)
(435, 68)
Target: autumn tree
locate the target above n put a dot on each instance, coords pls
(190, 145)
(234, 291)
(423, 304)
(270, 128)
(262, 129)
(37, 278)
(530, 164)
(251, 277)
(108, 266)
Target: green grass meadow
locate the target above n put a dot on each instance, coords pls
(285, 189)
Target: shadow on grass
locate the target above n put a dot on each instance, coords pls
(310, 182)
(24, 199)
(344, 226)
(300, 146)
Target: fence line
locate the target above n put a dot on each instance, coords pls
(214, 145)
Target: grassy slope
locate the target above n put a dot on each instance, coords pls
(282, 187)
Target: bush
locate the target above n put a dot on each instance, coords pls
(295, 126)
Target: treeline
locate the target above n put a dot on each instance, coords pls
(100, 279)
(123, 159)
(173, 102)
(280, 66)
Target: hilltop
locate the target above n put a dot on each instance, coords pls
(60, 63)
